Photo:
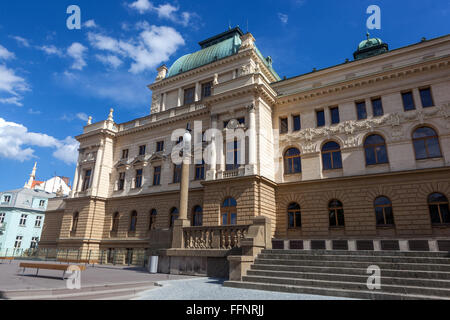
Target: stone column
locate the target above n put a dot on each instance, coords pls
(198, 94)
(180, 97)
(76, 181)
(164, 101)
(252, 153)
(211, 174)
(95, 178)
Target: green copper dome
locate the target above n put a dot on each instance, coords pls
(370, 43)
(370, 47)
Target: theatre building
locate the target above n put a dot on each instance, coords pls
(352, 157)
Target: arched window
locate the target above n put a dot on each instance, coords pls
(197, 216)
(133, 221)
(439, 209)
(375, 149)
(75, 221)
(152, 219)
(229, 212)
(115, 222)
(331, 156)
(383, 212)
(336, 210)
(294, 216)
(426, 144)
(174, 214)
(292, 161)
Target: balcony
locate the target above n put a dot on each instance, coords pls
(221, 237)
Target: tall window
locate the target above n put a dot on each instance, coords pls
(320, 118)
(177, 173)
(174, 214)
(38, 222)
(331, 156)
(336, 210)
(189, 95)
(200, 171)
(361, 110)
(87, 180)
(121, 185)
(157, 176)
(2, 217)
(439, 209)
(23, 220)
(34, 242)
(133, 221)
(197, 216)
(41, 203)
(160, 146)
(138, 181)
(284, 126)
(152, 222)
(75, 222)
(375, 149)
(426, 144)
(377, 107)
(294, 216)
(383, 212)
(18, 242)
(115, 222)
(233, 155)
(229, 212)
(125, 154)
(335, 118)
(292, 161)
(206, 89)
(297, 123)
(426, 97)
(408, 101)
(142, 150)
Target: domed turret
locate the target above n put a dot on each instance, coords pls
(370, 47)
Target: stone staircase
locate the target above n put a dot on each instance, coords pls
(404, 275)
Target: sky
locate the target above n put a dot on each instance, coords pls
(53, 78)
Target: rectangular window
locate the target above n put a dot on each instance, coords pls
(233, 155)
(206, 89)
(189, 95)
(38, 222)
(6, 199)
(34, 242)
(320, 115)
(87, 180)
(138, 182)
(41, 203)
(125, 154)
(361, 110)
(335, 118)
(408, 101)
(377, 107)
(200, 171)
(121, 185)
(18, 242)
(160, 146)
(177, 173)
(284, 126)
(23, 220)
(297, 123)
(2, 217)
(157, 176)
(427, 99)
(142, 150)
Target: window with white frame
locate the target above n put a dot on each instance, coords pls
(6, 198)
(18, 242)
(34, 242)
(38, 222)
(41, 203)
(2, 217)
(23, 220)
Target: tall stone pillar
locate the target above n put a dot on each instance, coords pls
(211, 174)
(180, 97)
(198, 94)
(164, 101)
(252, 143)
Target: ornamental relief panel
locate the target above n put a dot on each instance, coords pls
(350, 134)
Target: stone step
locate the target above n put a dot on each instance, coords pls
(351, 264)
(354, 286)
(356, 258)
(354, 294)
(352, 278)
(353, 271)
(419, 254)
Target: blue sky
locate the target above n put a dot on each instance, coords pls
(52, 78)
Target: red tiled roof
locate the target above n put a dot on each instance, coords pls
(36, 183)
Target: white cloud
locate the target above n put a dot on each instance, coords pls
(284, 18)
(77, 52)
(153, 46)
(34, 112)
(109, 60)
(22, 41)
(164, 11)
(142, 6)
(16, 142)
(5, 54)
(51, 50)
(12, 85)
(82, 116)
(90, 24)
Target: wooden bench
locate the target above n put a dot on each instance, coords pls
(7, 258)
(44, 266)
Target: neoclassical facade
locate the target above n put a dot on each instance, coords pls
(359, 150)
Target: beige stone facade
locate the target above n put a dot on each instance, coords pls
(247, 94)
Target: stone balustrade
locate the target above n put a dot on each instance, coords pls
(222, 237)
